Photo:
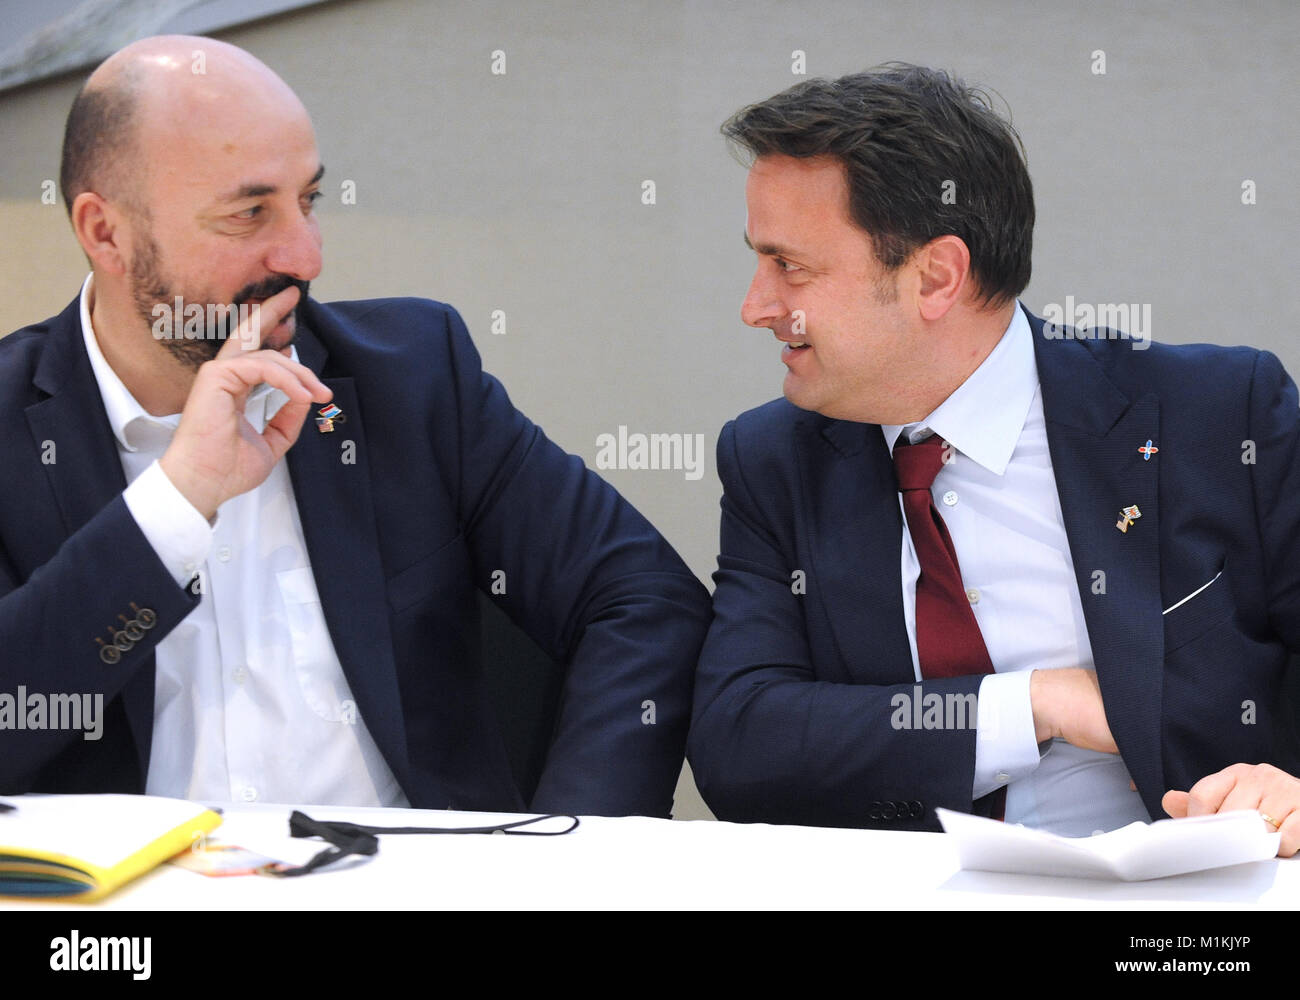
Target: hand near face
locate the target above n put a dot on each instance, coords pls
(1262, 787)
(216, 454)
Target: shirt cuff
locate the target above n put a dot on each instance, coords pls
(1005, 747)
(179, 534)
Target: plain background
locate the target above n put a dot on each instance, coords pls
(522, 192)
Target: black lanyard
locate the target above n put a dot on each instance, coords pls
(353, 839)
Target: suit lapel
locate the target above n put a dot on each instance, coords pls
(1093, 433)
(86, 474)
(337, 514)
(855, 556)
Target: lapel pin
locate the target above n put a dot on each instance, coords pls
(1126, 517)
(1148, 451)
(329, 415)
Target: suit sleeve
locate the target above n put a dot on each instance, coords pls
(48, 626)
(596, 586)
(772, 742)
(1275, 435)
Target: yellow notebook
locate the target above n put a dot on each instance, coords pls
(84, 846)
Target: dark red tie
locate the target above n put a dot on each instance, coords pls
(948, 639)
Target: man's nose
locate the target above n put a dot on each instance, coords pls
(296, 250)
(762, 306)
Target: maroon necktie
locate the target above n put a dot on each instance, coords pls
(948, 639)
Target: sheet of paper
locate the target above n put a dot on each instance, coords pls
(1131, 853)
(100, 829)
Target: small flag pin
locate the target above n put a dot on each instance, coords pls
(1126, 517)
(329, 415)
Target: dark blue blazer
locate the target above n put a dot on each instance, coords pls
(792, 703)
(450, 484)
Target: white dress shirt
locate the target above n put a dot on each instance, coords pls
(250, 701)
(999, 501)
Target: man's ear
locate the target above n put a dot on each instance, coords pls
(943, 266)
(100, 228)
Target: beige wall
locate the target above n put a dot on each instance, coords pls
(522, 192)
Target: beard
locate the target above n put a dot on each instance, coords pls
(149, 289)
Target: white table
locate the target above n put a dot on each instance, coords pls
(636, 863)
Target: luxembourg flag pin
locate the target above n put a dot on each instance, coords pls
(328, 415)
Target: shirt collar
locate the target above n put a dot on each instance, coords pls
(984, 416)
(128, 419)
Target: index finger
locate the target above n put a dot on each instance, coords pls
(247, 336)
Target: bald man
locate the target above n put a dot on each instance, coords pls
(244, 561)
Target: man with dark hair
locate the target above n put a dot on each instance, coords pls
(1078, 634)
(254, 527)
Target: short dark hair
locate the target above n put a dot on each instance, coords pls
(97, 140)
(906, 135)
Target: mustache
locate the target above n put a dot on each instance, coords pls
(272, 285)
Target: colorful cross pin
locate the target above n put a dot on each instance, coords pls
(1127, 516)
(1148, 451)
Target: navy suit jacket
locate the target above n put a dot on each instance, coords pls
(792, 703)
(450, 484)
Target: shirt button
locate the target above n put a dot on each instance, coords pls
(950, 498)
(973, 595)
(1002, 777)
(223, 553)
(248, 794)
(241, 675)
